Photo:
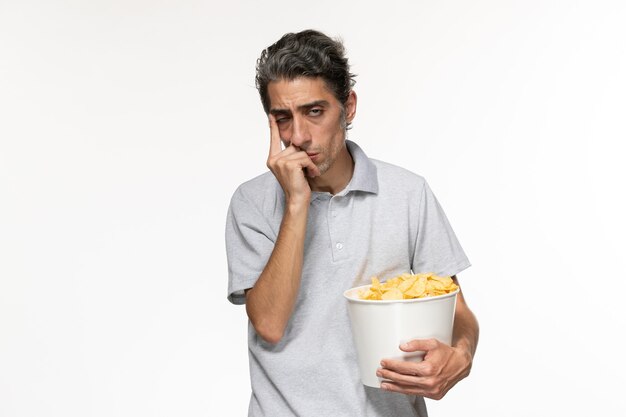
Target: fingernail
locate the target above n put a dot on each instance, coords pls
(382, 363)
(405, 345)
(384, 386)
(378, 373)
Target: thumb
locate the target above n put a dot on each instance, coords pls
(419, 344)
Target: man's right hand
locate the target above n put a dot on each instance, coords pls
(271, 301)
(289, 167)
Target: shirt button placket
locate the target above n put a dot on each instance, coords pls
(338, 228)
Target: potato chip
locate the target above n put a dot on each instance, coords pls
(407, 286)
(418, 288)
(393, 294)
(375, 283)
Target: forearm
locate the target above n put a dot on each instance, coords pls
(271, 301)
(466, 330)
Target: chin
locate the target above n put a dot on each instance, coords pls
(323, 167)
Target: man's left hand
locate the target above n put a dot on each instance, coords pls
(443, 366)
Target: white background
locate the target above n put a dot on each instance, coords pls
(126, 125)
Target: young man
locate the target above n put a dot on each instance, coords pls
(325, 219)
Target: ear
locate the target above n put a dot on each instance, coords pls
(350, 106)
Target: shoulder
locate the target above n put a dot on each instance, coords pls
(262, 192)
(257, 187)
(396, 177)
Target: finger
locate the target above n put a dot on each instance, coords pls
(431, 387)
(403, 388)
(303, 159)
(287, 152)
(411, 390)
(423, 368)
(419, 344)
(275, 147)
(292, 154)
(274, 161)
(401, 378)
(311, 169)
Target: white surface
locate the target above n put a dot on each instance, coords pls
(125, 126)
(379, 327)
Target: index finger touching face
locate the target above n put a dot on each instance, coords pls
(275, 146)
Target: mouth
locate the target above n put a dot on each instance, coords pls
(313, 156)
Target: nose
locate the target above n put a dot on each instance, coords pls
(300, 134)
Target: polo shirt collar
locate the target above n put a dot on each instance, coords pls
(364, 177)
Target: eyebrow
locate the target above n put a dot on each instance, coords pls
(306, 106)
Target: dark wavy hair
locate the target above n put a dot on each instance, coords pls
(305, 54)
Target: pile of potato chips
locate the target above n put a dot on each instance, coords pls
(408, 286)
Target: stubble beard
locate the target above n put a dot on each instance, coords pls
(333, 152)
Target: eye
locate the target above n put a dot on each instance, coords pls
(315, 112)
(281, 120)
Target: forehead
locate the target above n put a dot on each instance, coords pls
(287, 94)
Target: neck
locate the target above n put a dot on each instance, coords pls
(338, 175)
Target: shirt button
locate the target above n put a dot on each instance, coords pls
(339, 246)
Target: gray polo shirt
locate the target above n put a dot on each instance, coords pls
(385, 222)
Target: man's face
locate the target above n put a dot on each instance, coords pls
(310, 118)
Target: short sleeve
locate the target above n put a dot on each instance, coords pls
(249, 244)
(437, 248)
